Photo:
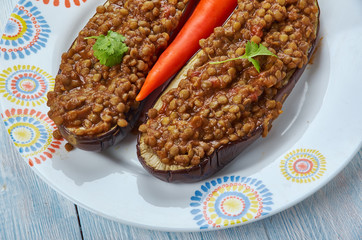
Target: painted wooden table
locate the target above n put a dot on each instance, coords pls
(29, 209)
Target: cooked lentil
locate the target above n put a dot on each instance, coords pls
(57, 135)
(69, 147)
(90, 98)
(218, 104)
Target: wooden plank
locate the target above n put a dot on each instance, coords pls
(331, 213)
(334, 212)
(29, 208)
(96, 227)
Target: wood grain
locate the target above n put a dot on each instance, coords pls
(95, 227)
(334, 212)
(29, 209)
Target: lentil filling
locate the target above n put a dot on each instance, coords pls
(89, 98)
(222, 103)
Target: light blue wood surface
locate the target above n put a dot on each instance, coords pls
(29, 209)
(334, 212)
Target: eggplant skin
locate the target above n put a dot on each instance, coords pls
(101, 142)
(225, 153)
(105, 140)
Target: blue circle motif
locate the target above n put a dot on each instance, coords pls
(230, 200)
(33, 80)
(231, 194)
(38, 91)
(35, 35)
(303, 165)
(22, 128)
(39, 133)
(11, 28)
(294, 174)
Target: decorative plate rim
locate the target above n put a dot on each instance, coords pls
(221, 202)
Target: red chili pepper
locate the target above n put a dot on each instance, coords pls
(207, 15)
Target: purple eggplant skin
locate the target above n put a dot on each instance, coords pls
(225, 153)
(105, 140)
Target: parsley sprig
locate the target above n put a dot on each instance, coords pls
(110, 49)
(252, 49)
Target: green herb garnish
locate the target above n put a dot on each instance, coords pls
(252, 49)
(109, 50)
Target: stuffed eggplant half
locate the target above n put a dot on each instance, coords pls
(223, 101)
(93, 103)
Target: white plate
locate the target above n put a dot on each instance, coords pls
(316, 136)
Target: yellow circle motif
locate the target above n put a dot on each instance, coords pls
(23, 134)
(230, 200)
(25, 85)
(233, 205)
(303, 165)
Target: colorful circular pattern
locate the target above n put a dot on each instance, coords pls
(26, 32)
(15, 28)
(32, 133)
(230, 200)
(303, 165)
(25, 85)
(67, 3)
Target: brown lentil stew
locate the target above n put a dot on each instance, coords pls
(89, 98)
(218, 104)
